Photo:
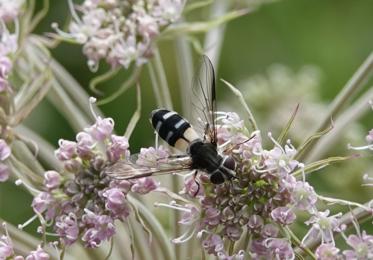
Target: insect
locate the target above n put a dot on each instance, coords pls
(200, 151)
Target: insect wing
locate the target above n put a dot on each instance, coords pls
(204, 100)
(126, 170)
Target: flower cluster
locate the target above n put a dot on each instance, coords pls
(7, 250)
(120, 31)
(83, 201)
(260, 201)
(8, 40)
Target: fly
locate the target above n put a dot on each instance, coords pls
(201, 150)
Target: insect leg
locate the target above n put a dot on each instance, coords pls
(156, 139)
(198, 185)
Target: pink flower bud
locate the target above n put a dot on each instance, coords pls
(52, 179)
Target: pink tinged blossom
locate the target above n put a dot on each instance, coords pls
(85, 145)
(4, 172)
(255, 223)
(38, 254)
(52, 179)
(6, 247)
(42, 202)
(147, 26)
(4, 150)
(118, 148)
(213, 244)
(67, 228)
(283, 215)
(5, 66)
(144, 185)
(116, 203)
(190, 215)
(362, 247)
(72, 165)
(66, 151)
(303, 196)
(102, 129)
(212, 217)
(279, 248)
(99, 229)
(327, 252)
(151, 156)
(277, 158)
(270, 230)
(9, 10)
(369, 137)
(324, 225)
(191, 187)
(233, 232)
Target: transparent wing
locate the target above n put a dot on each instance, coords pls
(204, 101)
(128, 169)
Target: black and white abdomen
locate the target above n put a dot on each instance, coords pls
(172, 128)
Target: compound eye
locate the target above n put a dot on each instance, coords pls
(217, 178)
(229, 163)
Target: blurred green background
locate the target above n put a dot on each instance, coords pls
(333, 35)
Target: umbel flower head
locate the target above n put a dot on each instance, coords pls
(120, 31)
(82, 201)
(260, 200)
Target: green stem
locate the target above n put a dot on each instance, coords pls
(353, 113)
(39, 16)
(123, 88)
(356, 82)
(241, 99)
(156, 228)
(162, 79)
(298, 243)
(184, 65)
(45, 149)
(136, 115)
(102, 78)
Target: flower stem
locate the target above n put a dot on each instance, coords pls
(297, 242)
(356, 82)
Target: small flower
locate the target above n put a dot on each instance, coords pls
(327, 252)
(99, 229)
(269, 230)
(66, 150)
(52, 179)
(325, 225)
(4, 172)
(283, 215)
(118, 149)
(9, 10)
(303, 196)
(362, 246)
(38, 254)
(116, 203)
(213, 244)
(42, 202)
(279, 249)
(85, 145)
(151, 156)
(6, 247)
(67, 228)
(144, 185)
(102, 129)
(4, 150)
